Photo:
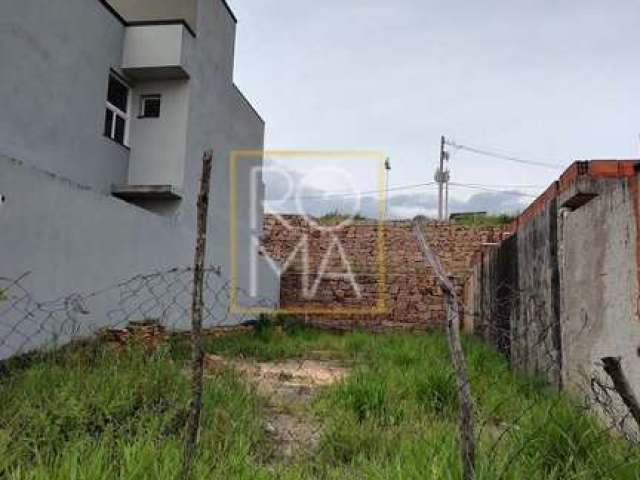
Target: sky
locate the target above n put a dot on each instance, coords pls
(548, 81)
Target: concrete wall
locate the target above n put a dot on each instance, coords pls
(535, 335)
(75, 239)
(59, 221)
(220, 118)
(159, 145)
(55, 57)
(492, 295)
(152, 10)
(155, 46)
(572, 266)
(516, 291)
(600, 283)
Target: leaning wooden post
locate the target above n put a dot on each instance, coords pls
(197, 352)
(613, 367)
(465, 412)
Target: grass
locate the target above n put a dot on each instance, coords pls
(98, 414)
(335, 216)
(474, 219)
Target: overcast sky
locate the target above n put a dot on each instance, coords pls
(552, 81)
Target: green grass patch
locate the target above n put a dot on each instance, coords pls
(98, 414)
(484, 219)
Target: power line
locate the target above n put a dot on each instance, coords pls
(502, 156)
(471, 186)
(504, 185)
(370, 192)
(506, 192)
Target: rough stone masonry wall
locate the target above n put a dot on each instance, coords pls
(407, 296)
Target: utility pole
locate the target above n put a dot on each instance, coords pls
(447, 177)
(446, 195)
(439, 178)
(442, 177)
(387, 168)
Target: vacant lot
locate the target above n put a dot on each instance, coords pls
(292, 403)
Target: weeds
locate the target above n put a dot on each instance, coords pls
(96, 414)
(483, 219)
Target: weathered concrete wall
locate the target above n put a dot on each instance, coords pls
(513, 294)
(535, 335)
(600, 283)
(409, 290)
(573, 268)
(492, 295)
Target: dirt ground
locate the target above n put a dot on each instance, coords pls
(288, 388)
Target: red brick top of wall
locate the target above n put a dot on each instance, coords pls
(592, 168)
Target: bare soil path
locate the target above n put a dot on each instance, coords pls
(288, 388)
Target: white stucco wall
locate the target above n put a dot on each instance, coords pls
(72, 239)
(59, 221)
(149, 10)
(158, 145)
(153, 45)
(55, 58)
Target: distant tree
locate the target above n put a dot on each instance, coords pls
(337, 216)
(484, 219)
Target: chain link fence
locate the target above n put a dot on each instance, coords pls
(533, 348)
(161, 297)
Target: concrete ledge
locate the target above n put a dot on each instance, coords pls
(578, 193)
(156, 51)
(146, 192)
(170, 72)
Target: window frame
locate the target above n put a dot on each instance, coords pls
(116, 112)
(143, 103)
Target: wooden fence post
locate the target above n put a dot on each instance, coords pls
(197, 355)
(613, 367)
(465, 413)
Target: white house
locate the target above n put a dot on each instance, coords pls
(105, 110)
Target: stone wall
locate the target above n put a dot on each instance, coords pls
(392, 286)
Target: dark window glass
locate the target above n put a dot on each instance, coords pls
(118, 94)
(120, 128)
(151, 106)
(108, 123)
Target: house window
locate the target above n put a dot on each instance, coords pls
(150, 106)
(116, 120)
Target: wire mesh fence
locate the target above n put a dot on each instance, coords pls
(162, 297)
(587, 413)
